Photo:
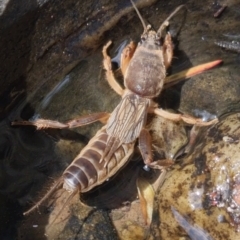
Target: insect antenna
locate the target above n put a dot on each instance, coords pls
(140, 17)
(47, 195)
(166, 22)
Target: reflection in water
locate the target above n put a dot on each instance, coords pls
(232, 36)
(119, 190)
(205, 115)
(118, 52)
(24, 166)
(231, 39)
(194, 232)
(27, 159)
(47, 99)
(195, 197)
(229, 45)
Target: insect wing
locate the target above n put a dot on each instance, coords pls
(128, 118)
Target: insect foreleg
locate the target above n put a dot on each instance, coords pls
(126, 56)
(167, 50)
(107, 64)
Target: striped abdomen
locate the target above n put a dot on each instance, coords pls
(86, 171)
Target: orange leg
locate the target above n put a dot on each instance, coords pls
(167, 50)
(181, 117)
(107, 64)
(126, 56)
(175, 78)
(78, 122)
(145, 147)
(145, 143)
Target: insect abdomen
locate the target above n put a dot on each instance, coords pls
(86, 171)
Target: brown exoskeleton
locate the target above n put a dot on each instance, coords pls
(144, 71)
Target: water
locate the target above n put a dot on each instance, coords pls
(64, 81)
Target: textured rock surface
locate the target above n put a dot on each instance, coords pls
(45, 44)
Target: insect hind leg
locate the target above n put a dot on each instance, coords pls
(77, 122)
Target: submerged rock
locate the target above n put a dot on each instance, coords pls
(51, 63)
(205, 188)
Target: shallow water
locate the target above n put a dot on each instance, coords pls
(64, 79)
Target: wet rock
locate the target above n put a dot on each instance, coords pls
(75, 221)
(211, 90)
(47, 39)
(169, 138)
(33, 52)
(28, 159)
(57, 45)
(204, 190)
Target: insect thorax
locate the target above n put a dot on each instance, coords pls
(146, 72)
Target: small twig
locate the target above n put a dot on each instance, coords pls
(219, 11)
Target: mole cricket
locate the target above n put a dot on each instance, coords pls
(144, 71)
